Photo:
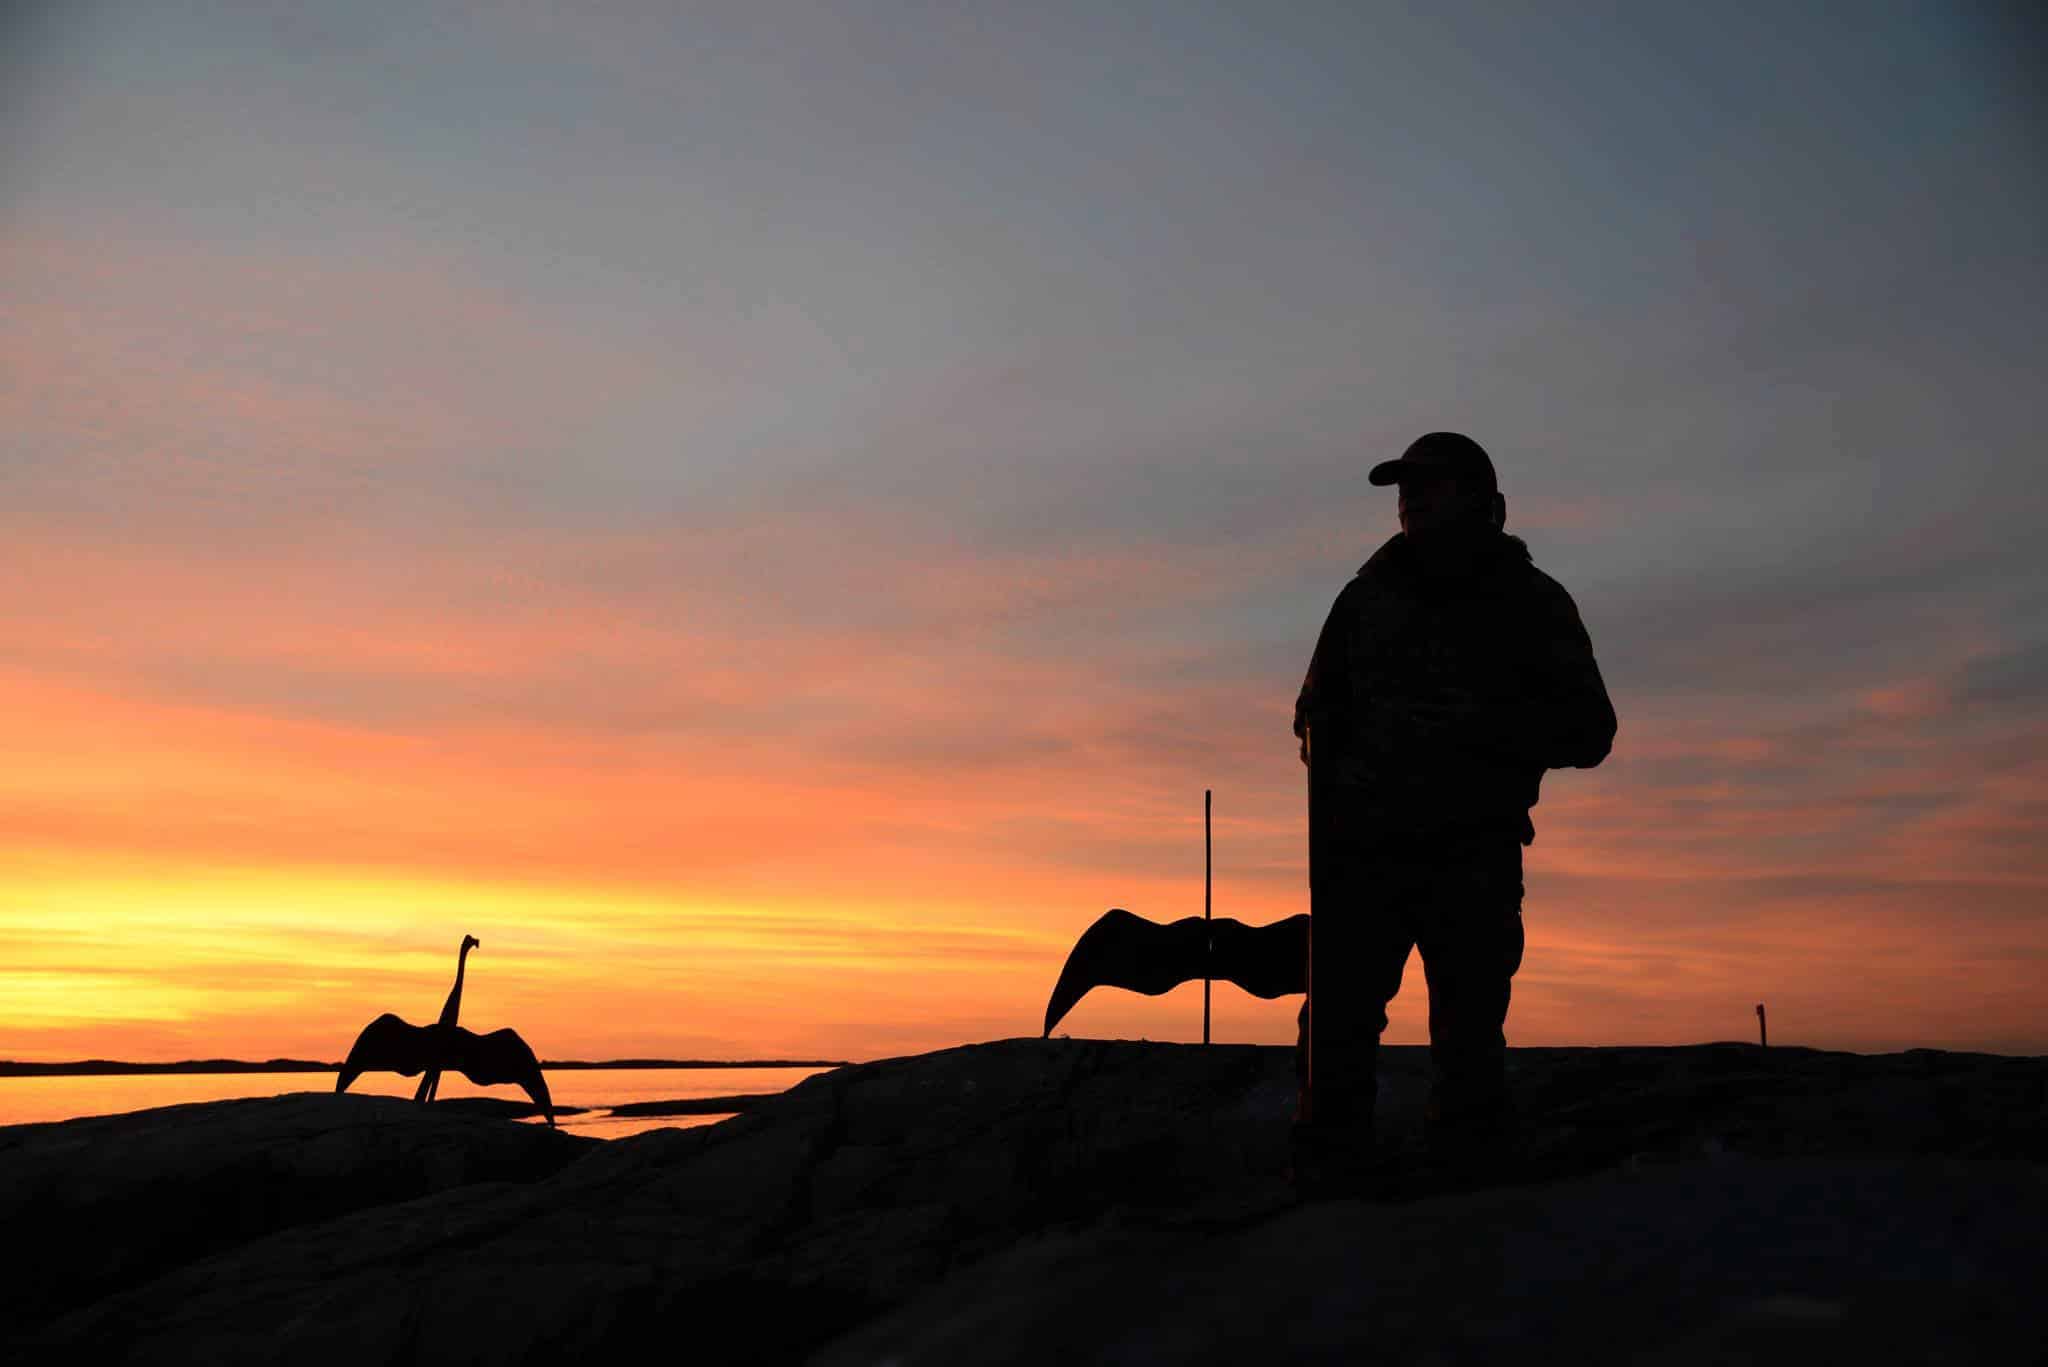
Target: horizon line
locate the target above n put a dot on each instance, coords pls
(98, 1067)
(102, 1067)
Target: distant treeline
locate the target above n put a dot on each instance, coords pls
(105, 1067)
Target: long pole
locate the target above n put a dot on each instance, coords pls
(1306, 1110)
(1763, 1034)
(1208, 940)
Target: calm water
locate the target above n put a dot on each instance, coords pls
(28, 1100)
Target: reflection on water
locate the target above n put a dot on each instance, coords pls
(597, 1125)
(30, 1100)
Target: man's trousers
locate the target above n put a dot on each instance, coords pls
(1460, 903)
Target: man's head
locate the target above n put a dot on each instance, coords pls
(1447, 487)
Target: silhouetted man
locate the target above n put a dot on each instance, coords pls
(1451, 673)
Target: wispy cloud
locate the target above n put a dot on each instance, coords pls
(776, 523)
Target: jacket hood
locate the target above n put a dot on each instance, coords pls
(1498, 551)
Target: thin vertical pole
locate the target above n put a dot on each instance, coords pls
(1763, 1035)
(1208, 938)
(1305, 1111)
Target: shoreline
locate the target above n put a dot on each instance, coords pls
(1029, 1200)
(14, 1068)
(119, 1068)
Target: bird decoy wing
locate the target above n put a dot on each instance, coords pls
(387, 1044)
(1126, 950)
(499, 1057)
(1267, 961)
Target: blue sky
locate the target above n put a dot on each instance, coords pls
(986, 396)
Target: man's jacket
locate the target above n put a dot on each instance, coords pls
(1438, 700)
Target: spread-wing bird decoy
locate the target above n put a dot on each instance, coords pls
(1128, 951)
(451, 1010)
(399, 1046)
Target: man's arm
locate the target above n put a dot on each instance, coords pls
(1581, 715)
(1563, 721)
(1567, 721)
(1319, 687)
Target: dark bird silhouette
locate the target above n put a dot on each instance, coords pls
(399, 1046)
(394, 1044)
(430, 1082)
(1128, 951)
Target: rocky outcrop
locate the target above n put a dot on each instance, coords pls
(1702, 1261)
(1022, 1199)
(102, 1203)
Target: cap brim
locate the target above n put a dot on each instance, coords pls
(1391, 471)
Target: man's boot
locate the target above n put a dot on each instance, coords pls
(1334, 1151)
(1330, 1162)
(1475, 1142)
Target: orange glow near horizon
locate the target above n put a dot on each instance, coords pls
(365, 596)
(186, 882)
(192, 878)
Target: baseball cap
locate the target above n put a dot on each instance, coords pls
(1440, 455)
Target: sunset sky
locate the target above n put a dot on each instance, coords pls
(770, 516)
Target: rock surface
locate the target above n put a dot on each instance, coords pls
(115, 1199)
(1120, 1201)
(1699, 1262)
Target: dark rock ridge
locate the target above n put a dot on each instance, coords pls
(105, 1202)
(1025, 1199)
(1791, 1261)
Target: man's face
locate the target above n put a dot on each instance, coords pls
(1432, 504)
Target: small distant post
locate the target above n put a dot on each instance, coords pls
(1208, 936)
(1763, 1035)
